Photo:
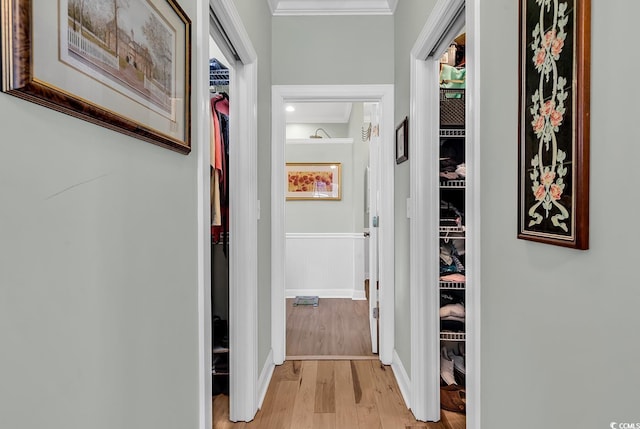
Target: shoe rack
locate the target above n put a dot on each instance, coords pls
(453, 234)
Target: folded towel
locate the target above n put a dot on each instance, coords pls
(452, 310)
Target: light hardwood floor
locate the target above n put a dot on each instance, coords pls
(337, 327)
(340, 394)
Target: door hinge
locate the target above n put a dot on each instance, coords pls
(375, 313)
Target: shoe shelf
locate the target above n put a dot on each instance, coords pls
(219, 77)
(452, 132)
(452, 232)
(453, 184)
(449, 229)
(453, 336)
(452, 285)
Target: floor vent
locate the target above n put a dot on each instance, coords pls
(305, 300)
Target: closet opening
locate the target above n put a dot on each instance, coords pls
(219, 120)
(444, 190)
(452, 231)
(230, 203)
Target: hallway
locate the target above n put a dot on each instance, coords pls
(330, 394)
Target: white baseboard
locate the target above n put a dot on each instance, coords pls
(327, 293)
(265, 378)
(404, 383)
(359, 295)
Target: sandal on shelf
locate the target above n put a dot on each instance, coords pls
(451, 399)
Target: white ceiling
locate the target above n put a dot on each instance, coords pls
(319, 113)
(332, 7)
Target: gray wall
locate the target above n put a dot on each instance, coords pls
(360, 162)
(346, 215)
(321, 50)
(98, 275)
(302, 216)
(559, 327)
(410, 17)
(256, 18)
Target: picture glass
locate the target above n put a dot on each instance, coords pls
(128, 57)
(308, 181)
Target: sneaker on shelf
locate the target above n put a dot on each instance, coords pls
(458, 363)
(446, 368)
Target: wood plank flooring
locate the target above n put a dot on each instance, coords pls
(337, 327)
(360, 394)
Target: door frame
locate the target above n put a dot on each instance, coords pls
(280, 95)
(243, 261)
(425, 321)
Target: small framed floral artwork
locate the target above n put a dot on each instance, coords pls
(314, 181)
(554, 99)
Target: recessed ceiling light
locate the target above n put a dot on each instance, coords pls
(290, 108)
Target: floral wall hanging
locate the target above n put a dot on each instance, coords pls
(553, 149)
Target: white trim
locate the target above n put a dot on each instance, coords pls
(200, 127)
(278, 230)
(265, 378)
(243, 253)
(424, 243)
(440, 20)
(402, 378)
(327, 293)
(321, 141)
(320, 235)
(332, 7)
(282, 94)
(243, 191)
(230, 20)
(473, 207)
(425, 362)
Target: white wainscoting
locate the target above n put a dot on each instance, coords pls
(325, 265)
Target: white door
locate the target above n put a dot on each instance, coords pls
(373, 197)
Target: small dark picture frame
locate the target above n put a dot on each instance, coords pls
(402, 141)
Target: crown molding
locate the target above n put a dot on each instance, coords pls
(332, 7)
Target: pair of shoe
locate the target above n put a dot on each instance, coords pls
(453, 398)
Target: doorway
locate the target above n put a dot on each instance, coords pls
(448, 19)
(383, 95)
(327, 155)
(225, 29)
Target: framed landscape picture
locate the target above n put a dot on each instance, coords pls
(314, 181)
(121, 64)
(554, 115)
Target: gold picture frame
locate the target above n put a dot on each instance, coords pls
(123, 65)
(314, 181)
